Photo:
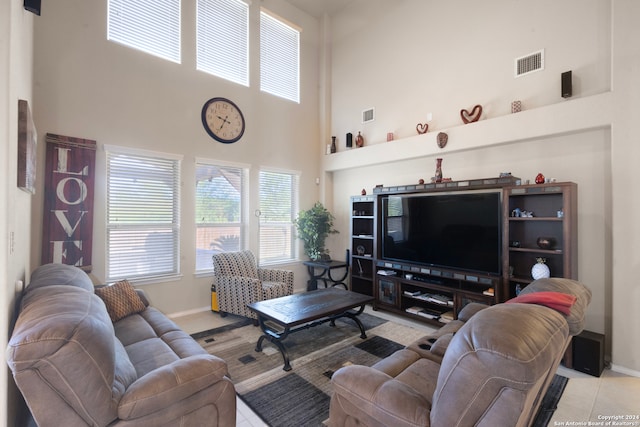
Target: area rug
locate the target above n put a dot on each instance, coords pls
(301, 396)
(550, 401)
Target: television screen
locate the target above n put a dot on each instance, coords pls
(448, 230)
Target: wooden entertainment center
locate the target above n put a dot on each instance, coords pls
(436, 294)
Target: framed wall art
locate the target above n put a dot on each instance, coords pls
(27, 148)
(69, 177)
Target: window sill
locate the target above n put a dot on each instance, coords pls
(142, 281)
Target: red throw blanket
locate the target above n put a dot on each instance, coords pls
(555, 300)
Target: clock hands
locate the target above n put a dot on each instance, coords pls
(224, 120)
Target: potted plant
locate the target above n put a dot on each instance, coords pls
(314, 225)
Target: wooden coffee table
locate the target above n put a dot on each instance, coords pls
(282, 316)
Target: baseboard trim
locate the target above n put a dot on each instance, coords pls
(188, 312)
(626, 371)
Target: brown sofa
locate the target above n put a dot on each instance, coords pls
(75, 367)
(495, 371)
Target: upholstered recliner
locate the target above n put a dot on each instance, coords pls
(239, 282)
(495, 370)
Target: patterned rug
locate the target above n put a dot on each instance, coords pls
(301, 396)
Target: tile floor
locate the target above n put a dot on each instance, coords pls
(585, 399)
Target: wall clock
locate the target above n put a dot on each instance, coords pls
(223, 120)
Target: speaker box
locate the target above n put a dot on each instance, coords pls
(588, 353)
(565, 79)
(32, 6)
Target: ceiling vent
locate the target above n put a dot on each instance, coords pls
(529, 63)
(368, 115)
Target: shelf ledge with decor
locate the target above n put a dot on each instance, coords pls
(578, 115)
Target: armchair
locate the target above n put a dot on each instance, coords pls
(494, 370)
(239, 282)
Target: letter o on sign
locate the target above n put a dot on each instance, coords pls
(81, 186)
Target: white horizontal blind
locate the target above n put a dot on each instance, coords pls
(278, 207)
(143, 215)
(152, 26)
(220, 217)
(223, 39)
(279, 58)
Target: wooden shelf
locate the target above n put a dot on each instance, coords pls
(545, 200)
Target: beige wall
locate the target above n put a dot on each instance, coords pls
(88, 87)
(16, 53)
(437, 57)
(625, 152)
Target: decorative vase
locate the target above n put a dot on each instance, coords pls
(359, 140)
(438, 176)
(539, 179)
(546, 243)
(540, 270)
(333, 144)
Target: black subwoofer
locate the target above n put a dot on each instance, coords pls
(588, 353)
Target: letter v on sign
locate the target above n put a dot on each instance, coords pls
(64, 221)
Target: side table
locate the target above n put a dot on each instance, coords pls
(321, 270)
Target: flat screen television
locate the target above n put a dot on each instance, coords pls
(454, 230)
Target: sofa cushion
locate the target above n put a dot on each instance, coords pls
(125, 373)
(59, 274)
(151, 332)
(121, 300)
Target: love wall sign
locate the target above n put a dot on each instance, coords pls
(67, 232)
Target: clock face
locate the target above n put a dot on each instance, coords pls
(223, 120)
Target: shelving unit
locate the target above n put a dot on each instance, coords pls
(553, 208)
(440, 293)
(363, 243)
(405, 288)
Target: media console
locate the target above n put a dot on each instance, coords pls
(427, 250)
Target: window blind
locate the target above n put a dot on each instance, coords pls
(152, 26)
(143, 215)
(278, 207)
(279, 58)
(220, 217)
(223, 39)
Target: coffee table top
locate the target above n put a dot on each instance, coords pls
(305, 307)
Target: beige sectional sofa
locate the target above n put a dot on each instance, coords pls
(491, 368)
(76, 367)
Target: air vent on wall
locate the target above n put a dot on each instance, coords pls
(368, 115)
(529, 63)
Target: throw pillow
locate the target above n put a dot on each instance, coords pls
(121, 300)
(555, 300)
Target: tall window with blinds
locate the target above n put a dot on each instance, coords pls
(143, 214)
(220, 211)
(278, 207)
(279, 57)
(222, 39)
(150, 26)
